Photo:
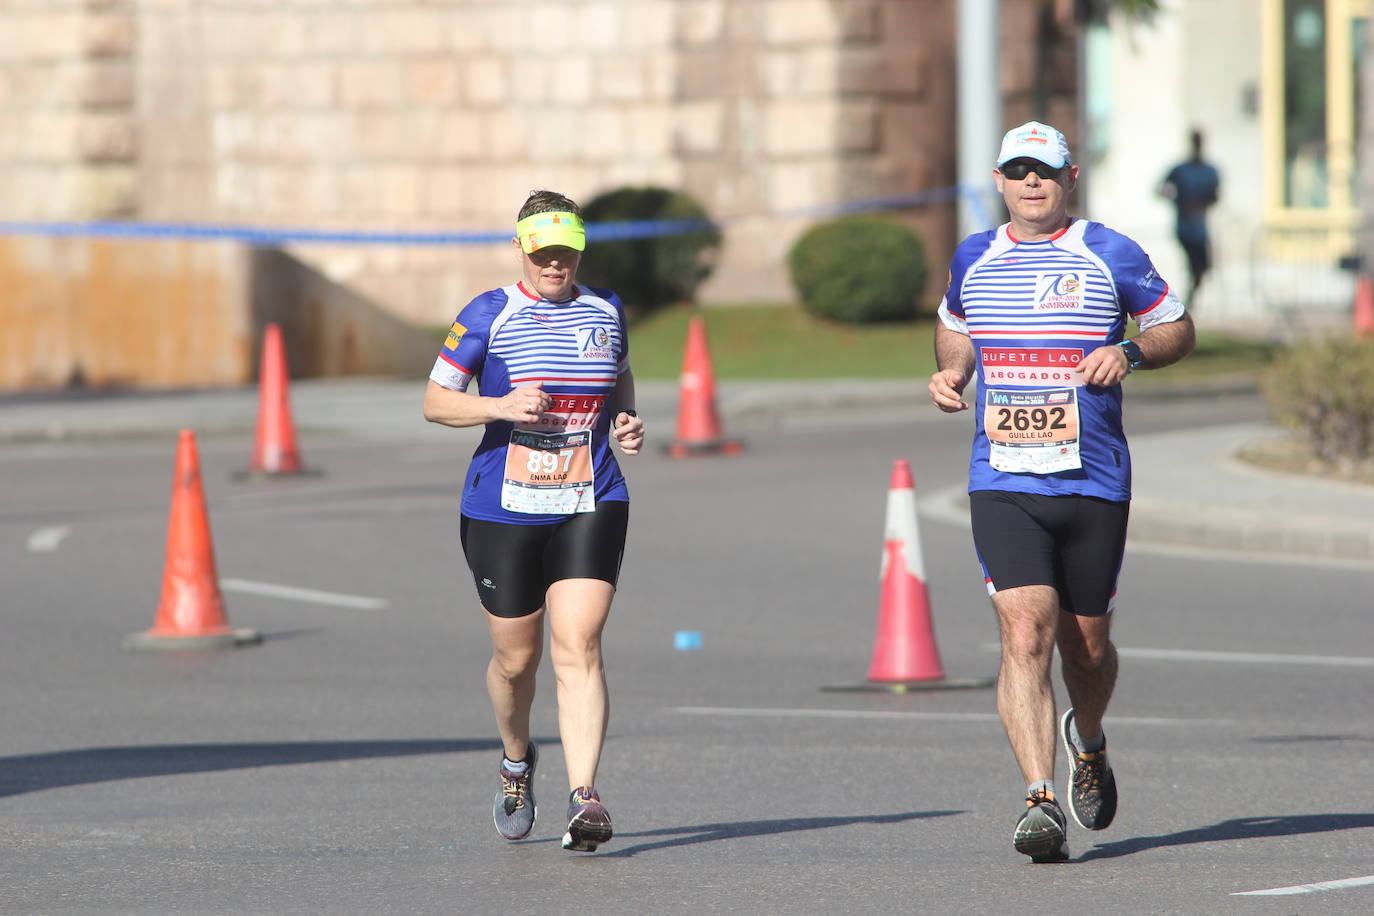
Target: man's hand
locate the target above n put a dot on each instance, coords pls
(1104, 367)
(946, 386)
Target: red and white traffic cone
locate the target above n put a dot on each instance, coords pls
(905, 656)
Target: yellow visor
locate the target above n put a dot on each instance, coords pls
(556, 227)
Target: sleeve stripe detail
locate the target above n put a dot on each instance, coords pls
(1162, 296)
(457, 365)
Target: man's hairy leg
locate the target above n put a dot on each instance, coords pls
(1089, 664)
(1026, 618)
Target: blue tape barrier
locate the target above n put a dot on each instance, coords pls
(614, 231)
(264, 235)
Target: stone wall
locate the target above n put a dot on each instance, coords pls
(69, 148)
(444, 114)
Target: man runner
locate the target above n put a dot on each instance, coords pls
(1038, 309)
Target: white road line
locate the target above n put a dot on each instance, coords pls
(1266, 658)
(46, 540)
(1247, 658)
(921, 716)
(1308, 888)
(301, 594)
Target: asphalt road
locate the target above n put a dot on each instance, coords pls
(347, 764)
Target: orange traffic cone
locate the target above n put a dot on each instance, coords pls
(191, 612)
(905, 656)
(1364, 307)
(274, 447)
(698, 425)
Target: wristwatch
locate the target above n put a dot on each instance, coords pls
(1133, 355)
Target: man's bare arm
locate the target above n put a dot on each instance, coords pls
(954, 359)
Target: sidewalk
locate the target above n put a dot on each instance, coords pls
(1191, 491)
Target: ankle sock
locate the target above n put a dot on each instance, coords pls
(1086, 745)
(1045, 786)
(514, 766)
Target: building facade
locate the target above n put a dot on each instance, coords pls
(1276, 88)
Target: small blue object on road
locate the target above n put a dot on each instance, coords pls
(684, 640)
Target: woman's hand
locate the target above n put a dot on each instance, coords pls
(629, 432)
(523, 404)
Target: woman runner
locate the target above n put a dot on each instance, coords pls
(544, 506)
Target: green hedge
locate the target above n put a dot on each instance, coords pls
(1324, 389)
(859, 270)
(649, 273)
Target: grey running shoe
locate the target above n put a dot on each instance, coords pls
(1092, 795)
(589, 824)
(514, 809)
(1041, 832)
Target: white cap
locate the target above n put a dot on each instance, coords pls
(1036, 141)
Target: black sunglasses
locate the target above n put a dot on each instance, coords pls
(1018, 169)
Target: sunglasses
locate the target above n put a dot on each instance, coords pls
(1018, 169)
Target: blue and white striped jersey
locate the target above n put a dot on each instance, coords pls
(576, 350)
(1032, 311)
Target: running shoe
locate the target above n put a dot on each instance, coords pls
(1092, 795)
(1042, 833)
(589, 824)
(514, 809)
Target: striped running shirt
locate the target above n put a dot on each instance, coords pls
(543, 472)
(1032, 310)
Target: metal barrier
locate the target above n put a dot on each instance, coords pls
(1304, 276)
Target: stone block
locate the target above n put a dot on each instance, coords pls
(892, 69)
(796, 128)
(603, 133)
(432, 79)
(106, 83)
(651, 23)
(108, 138)
(401, 31)
(597, 26)
(858, 129)
(803, 185)
(797, 73)
(109, 192)
(701, 22)
(445, 191)
(533, 80)
(660, 77)
(484, 80)
(460, 32)
(230, 33)
(905, 129)
(648, 130)
(460, 135)
(365, 83)
(619, 78)
(46, 35)
(700, 128)
(312, 84)
(709, 73)
(820, 21)
(330, 33)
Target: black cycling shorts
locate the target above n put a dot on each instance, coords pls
(514, 565)
(1072, 543)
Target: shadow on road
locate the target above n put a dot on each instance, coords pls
(57, 769)
(1241, 828)
(734, 830)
